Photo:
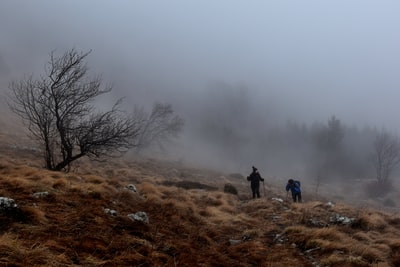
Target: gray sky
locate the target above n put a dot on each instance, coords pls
(307, 60)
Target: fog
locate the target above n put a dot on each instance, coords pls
(241, 73)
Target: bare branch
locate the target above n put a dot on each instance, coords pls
(159, 126)
(387, 155)
(59, 113)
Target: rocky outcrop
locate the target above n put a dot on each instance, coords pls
(140, 216)
(7, 204)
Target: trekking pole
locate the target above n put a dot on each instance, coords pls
(264, 189)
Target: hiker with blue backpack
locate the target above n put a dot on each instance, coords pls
(294, 186)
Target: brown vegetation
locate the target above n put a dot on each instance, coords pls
(192, 222)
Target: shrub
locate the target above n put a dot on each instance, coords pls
(228, 188)
(378, 189)
(389, 203)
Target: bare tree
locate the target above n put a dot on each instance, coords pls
(387, 155)
(328, 141)
(59, 113)
(159, 126)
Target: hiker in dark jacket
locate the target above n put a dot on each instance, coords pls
(294, 186)
(255, 179)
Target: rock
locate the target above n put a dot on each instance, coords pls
(315, 222)
(140, 216)
(280, 239)
(234, 241)
(7, 204)
(277, 199)
(339, 219)
(330, 204)
(132, 188)
(245, 237)
(311, 250)
(110, 212)
(276, 218)
(40, 194)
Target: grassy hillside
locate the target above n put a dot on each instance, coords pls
(192, 222)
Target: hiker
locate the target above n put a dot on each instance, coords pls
(255, 179)
(294, 186)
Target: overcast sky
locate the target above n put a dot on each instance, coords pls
(307, 59)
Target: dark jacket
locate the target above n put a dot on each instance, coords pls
(294, 187)
(255, 178)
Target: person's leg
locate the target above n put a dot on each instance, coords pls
(299, 197)
(253, 189)
(294, 197)
(258, 191)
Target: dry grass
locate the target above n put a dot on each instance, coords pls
(372, 221)
(191, 221)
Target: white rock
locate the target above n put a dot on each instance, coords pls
(7, 203)
(40, 194)
(140, 216)
(132, 188)
(110, 212)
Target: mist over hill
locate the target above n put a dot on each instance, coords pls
(256, 83)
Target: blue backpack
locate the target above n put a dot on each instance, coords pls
(297, 186)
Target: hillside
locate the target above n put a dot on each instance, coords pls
(81, 219)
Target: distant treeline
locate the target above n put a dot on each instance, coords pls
(230, 124)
